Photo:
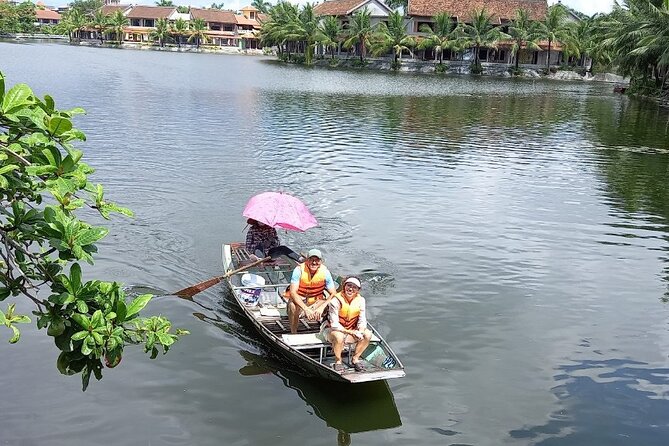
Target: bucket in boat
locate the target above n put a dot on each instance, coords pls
(250, 296)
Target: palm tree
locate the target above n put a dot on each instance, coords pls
(331, 30)
(161, 32)
(481, 33)
(525, 34)
(554, 28)
(100, 22)
(197, 32)
(117, 24)
(393, 35)
(275, 30)
(179, 29)
(306, 31)
(444, 35)
(164, 3)
(360, 32)
(73, 23)
(261, 5)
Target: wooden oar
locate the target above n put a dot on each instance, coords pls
(273, 253)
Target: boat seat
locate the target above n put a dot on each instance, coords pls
(305, 341)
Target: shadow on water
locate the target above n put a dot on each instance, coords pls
(348, 408)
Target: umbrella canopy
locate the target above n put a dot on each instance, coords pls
(280, 210)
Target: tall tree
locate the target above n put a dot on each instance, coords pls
(360, 32)
(161, 32)
(480, 32)
(198, 30)
(441, 36)
(262, 5)
(332, 32)
(217, 5)
(117, 24)
(554, 28)
(100, 22)
(179, 29)
(164, 3)
(525, 34)
(393, 36)
(305, 30)
(73, 23)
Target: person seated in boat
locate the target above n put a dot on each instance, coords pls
(347, 323)
(260, 238)
(305, 293)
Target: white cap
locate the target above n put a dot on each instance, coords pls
(353, 281)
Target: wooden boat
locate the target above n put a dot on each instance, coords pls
(264, 307)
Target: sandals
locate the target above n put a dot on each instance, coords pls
(359, 366)
(338, 367)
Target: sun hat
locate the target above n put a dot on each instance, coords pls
(354, 281)
(315, 253)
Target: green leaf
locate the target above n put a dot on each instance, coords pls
(19, 96)
(98, 319)
(78, 336)
(75, 278)
(8, 168)
(2, 87)
(3, 320)
(82, 320)
(21, 319)
(57, 125)
(165, 339)
(121, 311)
(82, 307)
(17, 335)
(86, 349)
(89, 236)
(49, 102)
(137, 305)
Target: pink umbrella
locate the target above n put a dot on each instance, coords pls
(280, 210)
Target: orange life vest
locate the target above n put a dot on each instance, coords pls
(311, 287)
(349, 311)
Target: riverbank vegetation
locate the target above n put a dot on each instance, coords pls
(632, 40)
(44, 192)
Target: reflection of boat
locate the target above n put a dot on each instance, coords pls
(371, 407)
(265, 309)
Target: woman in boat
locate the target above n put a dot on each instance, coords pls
(347, 323)
(260, 237)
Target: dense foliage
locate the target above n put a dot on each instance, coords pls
(17, 18)
(44, 192)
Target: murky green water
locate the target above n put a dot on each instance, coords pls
(513, 237)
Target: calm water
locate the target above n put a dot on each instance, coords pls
(513, 237)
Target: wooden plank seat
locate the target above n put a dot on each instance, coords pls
(307, 341)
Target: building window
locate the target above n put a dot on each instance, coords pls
(215, 27)
(228, 28)
(252, 15)
(149, 23)
(420, 25)
(134, 22)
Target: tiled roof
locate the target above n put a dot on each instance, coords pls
(213, 15)
(338, 7)
(47, 14)
(241, 20)
(249, 8)
(500, 9)
(150, 12)
(111, 9)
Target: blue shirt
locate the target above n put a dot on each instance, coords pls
(297, 273)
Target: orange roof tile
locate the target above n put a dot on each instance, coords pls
(150, 12)
(47, 14)
(213, 15)
(500, 9)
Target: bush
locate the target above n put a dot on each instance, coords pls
(475, 68)
(440, 68)
(333, 62)
(44, 188)
(395, 65)
(357, 63)
(513, 71)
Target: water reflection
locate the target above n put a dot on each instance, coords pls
(347, 408)
(635, 394)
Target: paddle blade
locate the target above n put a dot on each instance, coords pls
(188, 293)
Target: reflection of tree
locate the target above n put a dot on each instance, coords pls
(633, 123)
(636, 180)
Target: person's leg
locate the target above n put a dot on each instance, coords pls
(362, 345)
(293, 315)
(337, 340)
